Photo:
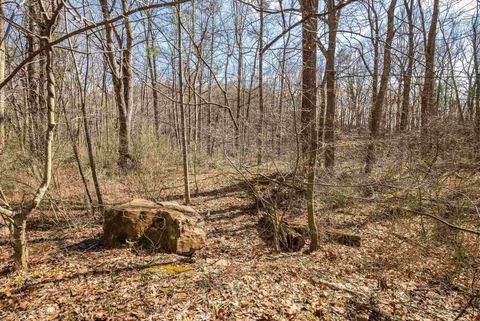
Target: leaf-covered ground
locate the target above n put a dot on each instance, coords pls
(393, 275)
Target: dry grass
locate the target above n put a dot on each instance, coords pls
(408, 267)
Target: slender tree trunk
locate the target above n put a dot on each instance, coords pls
(152, 66)
(2, 76)
(182, 109)
(321, 114)
(121, 85)
(332, 22)
(376, 114)
(451, 66)
(428, 103)
(88, 139)
(476, 90)
(20, 219)
(77, 159)
(33, 83)
(239, 19)
(309, 104)
(260, 86)
(126, 160)
(407, 78)
(210, 89)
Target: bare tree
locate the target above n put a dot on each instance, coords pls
(476, 63)
(19, 219)
(152, 67)
(309, 105)
(2, 75)
(121, 79)
(261, 106)
(182, 108)
(407, 78)
(333, 17)
(428, 103)
(377, 101)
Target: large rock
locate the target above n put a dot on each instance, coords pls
(166, 226)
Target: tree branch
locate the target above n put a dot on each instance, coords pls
(82, 30)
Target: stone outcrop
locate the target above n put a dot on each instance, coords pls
(165, 226)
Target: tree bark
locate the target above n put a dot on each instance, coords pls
(33, 83)
(182, 109)
(20, 219)
(239, 26)
(332, 22)
(121, 85)
(476, 90)
(152, 66)
(309, 107)
(427, 99)
(377, 107)
(2, 75)
(407, 78)
(261, 106)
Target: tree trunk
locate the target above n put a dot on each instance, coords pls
(260, 86)
(210, 89)
(20, 250)
(152, 66)
(476, 90)
(33, 83)
(377, 107)
(427, 100)
(239, 26)
(309, 106)
(321, 114)
(121, 84)
(2, 75)
(126, 159)
(20, 219)
(182, 109)
(88, 139)
(332, 22)
(407, 78)
(77, 158)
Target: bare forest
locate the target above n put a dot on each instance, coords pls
(240, 160)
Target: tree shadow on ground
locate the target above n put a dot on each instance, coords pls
(230, 213)
(126, 269)
(88, 245)
(358, 225)
(242, 186)
(58, 239)
(231, 231)
(230, 189)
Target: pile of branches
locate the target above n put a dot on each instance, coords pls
(281, 205)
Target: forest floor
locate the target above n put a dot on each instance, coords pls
(394, 275)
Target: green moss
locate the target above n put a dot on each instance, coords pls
(166, 289)
(168, 269)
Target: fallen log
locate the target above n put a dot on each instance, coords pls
(290, 239)
(343, 238)
(331, 235)
(292, 235)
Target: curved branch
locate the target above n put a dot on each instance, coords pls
(82, 30)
